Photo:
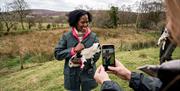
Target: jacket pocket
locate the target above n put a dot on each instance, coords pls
(71, 79)
(69, 71)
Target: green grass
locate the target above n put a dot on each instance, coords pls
(9, 64)
(49, 76)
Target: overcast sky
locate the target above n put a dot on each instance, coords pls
(68, 5)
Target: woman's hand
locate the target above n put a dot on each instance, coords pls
(120, 70)
(101, 75)
(79, 47)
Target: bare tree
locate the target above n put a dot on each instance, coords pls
(39, 21)
(8, 17)
(1, 24)
(20, 6)
(138, 15)
(129, 15)
(100, 19)
(150, 13)
(30, 21)
(155, 11)
(122, 15)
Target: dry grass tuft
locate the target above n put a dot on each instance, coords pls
(31, 43)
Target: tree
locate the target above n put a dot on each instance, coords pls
(1, 26)
(101, 19)
(48, 26)
(40, 21)
(113, 13)
(122, 15)
(155, 11)
(30, 21)
(150, 13)
(8, 17)
(137, 4)
(106, 19)
(20, 6)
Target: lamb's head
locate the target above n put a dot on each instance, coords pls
(89, 52)
(95, 48)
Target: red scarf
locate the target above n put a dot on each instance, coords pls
(75, 33)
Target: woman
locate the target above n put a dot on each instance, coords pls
(72, 43)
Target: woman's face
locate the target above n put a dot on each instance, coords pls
(83, 23)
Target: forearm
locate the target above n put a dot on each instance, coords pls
(110, 86)
(139, 82)
(61, 50)
(62, 54)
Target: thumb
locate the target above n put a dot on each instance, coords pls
(102, 68)
(112, 68)
(98, 69)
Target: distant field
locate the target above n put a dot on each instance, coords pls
(49, 76)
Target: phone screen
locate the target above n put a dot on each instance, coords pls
(108, 56)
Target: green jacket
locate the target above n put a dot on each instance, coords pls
(74, 77)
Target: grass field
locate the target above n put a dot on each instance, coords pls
(48, 76)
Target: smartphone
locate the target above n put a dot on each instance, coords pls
(108, 56)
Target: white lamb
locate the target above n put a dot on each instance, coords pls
(86, 53)
(163, 38)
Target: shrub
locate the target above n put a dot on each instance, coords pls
(1, 26)
(136, 45)
(48, 26)
(145, 24)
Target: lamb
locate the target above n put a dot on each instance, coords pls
(163, 38)
(79, 59)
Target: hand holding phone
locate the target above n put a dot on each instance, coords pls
(108, 56)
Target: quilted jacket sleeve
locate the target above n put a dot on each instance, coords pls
(139, 82)
(61, 51)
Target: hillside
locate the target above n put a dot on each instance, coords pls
(49, 76)
(44, 12)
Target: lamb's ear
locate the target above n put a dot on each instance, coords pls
(98, 46)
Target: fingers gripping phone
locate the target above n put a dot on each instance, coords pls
(108, 56)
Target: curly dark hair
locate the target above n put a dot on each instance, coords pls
(74, 16)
